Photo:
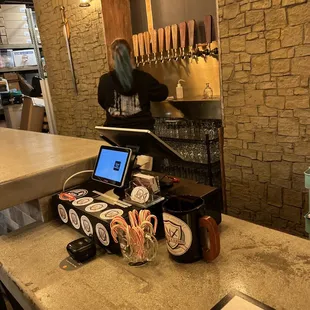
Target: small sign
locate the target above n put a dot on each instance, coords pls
(69, 264)
(237, 300)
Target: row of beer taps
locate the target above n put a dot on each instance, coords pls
(155, 46)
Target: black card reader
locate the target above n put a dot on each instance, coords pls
(82, 249)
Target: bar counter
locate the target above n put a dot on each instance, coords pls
(265, 264)
(35, 165)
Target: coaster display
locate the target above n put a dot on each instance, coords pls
(110, 214)
(74, 218)
(102, 234)
(96, 207)
(86, 225)
(63, 213)
(83, 201)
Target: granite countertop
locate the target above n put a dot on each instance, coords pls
(34, 165)
(265, 264)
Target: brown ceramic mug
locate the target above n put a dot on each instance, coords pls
(186, 225)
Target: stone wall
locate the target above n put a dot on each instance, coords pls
(265, 59)
(75, 115)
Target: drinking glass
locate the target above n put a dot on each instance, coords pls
(200, 153)
(197, 125)
(213, 132)
(188, 151)
(191, 130)
(202, 176)
(156, 129)
(202, 130)
(183, 130)
(137, 254)
(176, 129)
(181, 150)
(215, 152)
(159, 127)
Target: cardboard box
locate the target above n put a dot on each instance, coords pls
(4, 40)
(16, 24)
(14, 16)
(11, 76)
(2, 31)
(14, 85)
(17, 32)
(19, 40)
(24, 58)
(13, 8)
(32, 117)
(13, 114)
(4, 86)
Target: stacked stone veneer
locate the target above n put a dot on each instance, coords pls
(265, 61)
(75, 115)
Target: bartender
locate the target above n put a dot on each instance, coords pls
(125, 93)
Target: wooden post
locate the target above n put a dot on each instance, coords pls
(116, 16)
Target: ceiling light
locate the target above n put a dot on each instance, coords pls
(84, 3)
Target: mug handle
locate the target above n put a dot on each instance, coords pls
(209, 223)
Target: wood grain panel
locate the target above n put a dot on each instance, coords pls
(116, 16)
(169, 12)
(149, 14)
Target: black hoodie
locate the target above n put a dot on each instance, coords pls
(130, 109)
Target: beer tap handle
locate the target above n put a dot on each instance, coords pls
(168, 41)
(154, 44)
(136, 48)
(141, 47)
(182, 28)
(175, 41)
(161, 38)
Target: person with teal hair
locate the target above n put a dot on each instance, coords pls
(125, 93)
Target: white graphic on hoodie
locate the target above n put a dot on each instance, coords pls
(125, 105)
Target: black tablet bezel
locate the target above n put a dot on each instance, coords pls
(109, 181)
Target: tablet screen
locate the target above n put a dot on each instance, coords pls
(112, 165)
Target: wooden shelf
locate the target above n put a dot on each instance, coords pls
(17, 46)
(196, 99)
(19, 69)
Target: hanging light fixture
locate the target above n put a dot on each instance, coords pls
(84, 3)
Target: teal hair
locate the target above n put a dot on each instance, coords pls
(123, 67)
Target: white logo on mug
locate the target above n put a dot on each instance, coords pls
(178, 235)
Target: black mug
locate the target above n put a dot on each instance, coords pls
(185, 226)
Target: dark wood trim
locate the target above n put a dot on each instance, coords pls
(116, 16)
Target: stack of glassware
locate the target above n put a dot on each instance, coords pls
(187, 129)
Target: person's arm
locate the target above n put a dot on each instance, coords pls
(157, 91)
(101, 92)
